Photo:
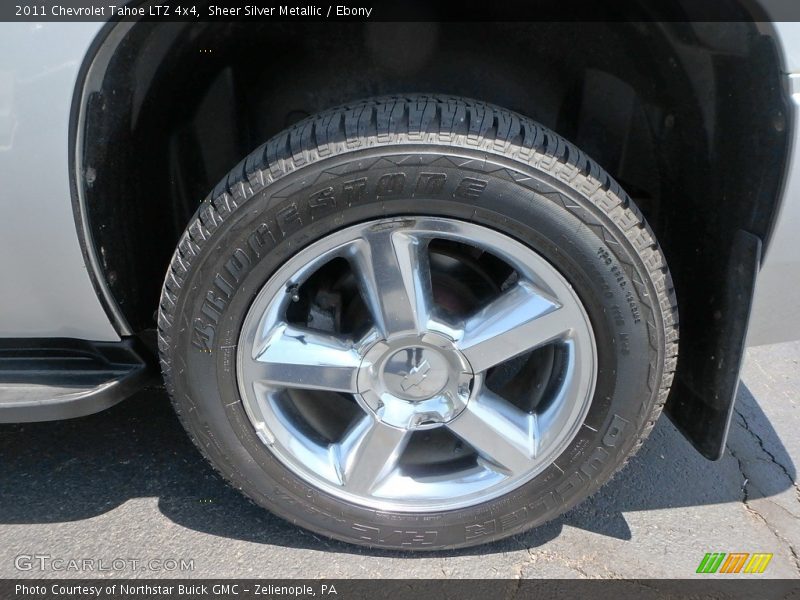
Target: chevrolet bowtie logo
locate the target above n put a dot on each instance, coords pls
(416, 375)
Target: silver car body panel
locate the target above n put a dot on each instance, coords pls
(775, 316)
(47, 290)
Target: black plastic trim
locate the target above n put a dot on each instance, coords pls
(85, 239)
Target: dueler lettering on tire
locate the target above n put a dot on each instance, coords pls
(418, 322)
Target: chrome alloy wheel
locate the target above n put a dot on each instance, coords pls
(410, 392)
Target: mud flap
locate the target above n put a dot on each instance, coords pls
(702, 398)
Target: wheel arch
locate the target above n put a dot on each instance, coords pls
(163, 110)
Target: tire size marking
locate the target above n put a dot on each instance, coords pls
(619, 275)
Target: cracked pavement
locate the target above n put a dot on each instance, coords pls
(128, 484)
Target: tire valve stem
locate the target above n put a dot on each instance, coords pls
(294, 291)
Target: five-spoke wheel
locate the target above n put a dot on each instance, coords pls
(420, 370)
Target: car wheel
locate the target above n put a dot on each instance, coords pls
(418, 322)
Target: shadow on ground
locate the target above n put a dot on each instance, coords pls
(72, 470)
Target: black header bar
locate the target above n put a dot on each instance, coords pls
(406, 10)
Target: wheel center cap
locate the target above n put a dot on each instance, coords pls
(416, 373)
(415, 382)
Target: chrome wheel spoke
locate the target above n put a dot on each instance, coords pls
(405, 376)
(393, 270)
(301, 358)
(504, 436)
(518, 321)
(368, 454)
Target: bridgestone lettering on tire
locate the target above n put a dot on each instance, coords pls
(419, 323)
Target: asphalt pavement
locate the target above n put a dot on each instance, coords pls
(125, 494)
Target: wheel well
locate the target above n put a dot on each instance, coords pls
(691, 119)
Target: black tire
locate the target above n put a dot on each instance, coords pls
(520, 178)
